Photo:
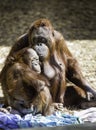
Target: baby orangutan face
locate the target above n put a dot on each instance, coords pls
(31, 58)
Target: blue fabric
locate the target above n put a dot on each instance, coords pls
(10, 121)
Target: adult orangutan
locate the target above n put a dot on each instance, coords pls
(25, 89)
(61, 64)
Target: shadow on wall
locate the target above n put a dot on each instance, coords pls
(75, 19)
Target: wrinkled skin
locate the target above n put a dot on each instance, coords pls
(32, 59)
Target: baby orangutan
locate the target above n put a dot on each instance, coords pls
(24, 88)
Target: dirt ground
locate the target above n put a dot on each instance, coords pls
(75, 19)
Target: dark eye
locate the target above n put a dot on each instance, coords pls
(44, 40)
(35, 40)
(43, 24)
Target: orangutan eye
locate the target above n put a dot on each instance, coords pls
(35, 40)
(43, 24)
(44, 40)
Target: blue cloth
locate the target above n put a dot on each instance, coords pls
(10, 121)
